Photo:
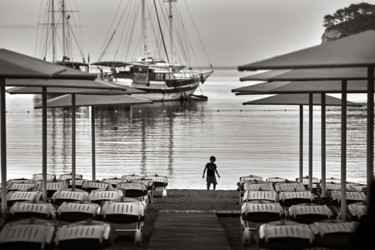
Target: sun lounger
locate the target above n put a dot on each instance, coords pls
(41, 210)
(14, 196)
(255, 212)
(77, 211)
(83, 235)
(53, 186)
(291, 186)
(69, 176)
(357, 210)
(133, 189)
(68, 195)
(39, 177)
(249, 178)
(129, 177)
(20, 180)
(89, 186)
(113, 181)
(27, 234)
(351, 197)
(125, 216)
(276, 179)
(333, 234)
(293, 198)
(251, 195)
(309, 213)
(160, 183)
(101, 195)
(14, 186)
(285, 235)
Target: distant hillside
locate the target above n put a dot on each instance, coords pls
(347, 21)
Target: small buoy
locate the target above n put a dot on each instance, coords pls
(241, 110)
(28, 111)
(218, 110)
(140, 111)
(115, 110)
(164, 110)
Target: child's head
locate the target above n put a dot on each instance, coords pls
(212, 159)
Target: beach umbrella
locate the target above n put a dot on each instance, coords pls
(14, 65)
(93, 101)
(302, 100)
(352, 51)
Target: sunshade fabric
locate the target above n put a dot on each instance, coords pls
(318, 74)
(357, 86)
(16, 65)
(93, 100)
(352, 51)
(298, 99)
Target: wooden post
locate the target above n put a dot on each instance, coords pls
(300, 143)
(3, 149)
(310, 140)
(343, 148)
(323, 148)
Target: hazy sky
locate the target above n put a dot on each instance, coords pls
(234, 31)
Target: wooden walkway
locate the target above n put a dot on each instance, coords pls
(184, 231)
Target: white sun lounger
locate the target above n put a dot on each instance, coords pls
(14, 186)
(293, 198)
(53, 186)
(77, 211)
(291, 186)
(89, 186)
(357, 210)
(160, 183)
(68, 195)
(31, 196)
(101, 195)
(309, 213)
(39, 177)
(23, 210)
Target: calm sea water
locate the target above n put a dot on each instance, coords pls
(176, 139)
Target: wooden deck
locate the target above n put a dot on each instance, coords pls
(184, 231)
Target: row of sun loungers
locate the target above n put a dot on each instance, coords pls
(79, 218)
(284, 214)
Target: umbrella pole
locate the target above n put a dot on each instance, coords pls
(73, 142)
(323, 135)
(370, 129)
(3, 150)
(343, 148)
(93, 143)
(300, 143)
(310, 140)
(44, 143)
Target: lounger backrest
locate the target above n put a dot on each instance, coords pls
(309, 209)
(284, 187)
(69, 176)
(276, 179)
(21, 186)
(54, 185)
(248, 207)
(27, 207)
(306, 181)
(132, 186)
(24, 195)
(95, 184)
(70, 195)
(322, 228)
(357, 210)
(296, 195)
(113, 181)
(104, 195)
(39, 177)
(123, 208)
(37, 233)
(250, 178)
(132, 177)
(260, 195)
(79, 231)
(301, 231)
(351, 196)
(158, 178)
(71, 207)
(258, 186)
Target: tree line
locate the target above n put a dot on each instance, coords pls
(353, 12)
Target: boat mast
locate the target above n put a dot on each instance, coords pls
(53, 30)
(171, 28)
(144, 30)
(63, 26)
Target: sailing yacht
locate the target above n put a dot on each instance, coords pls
(161, 79)
(58, 40)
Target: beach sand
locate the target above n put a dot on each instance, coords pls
(182, 200)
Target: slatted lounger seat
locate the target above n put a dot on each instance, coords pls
(351, 197)
(287, 187)
(39, 177)
(22, 186)
(357, 210)
(83, 235)
(113, 181)
(249, 178)
(129, 177)
(260, 195)
(53, 186)
(160, 183)
(333, 234)
(150, 187)
(76, 211)
(309, 213)
(288, 236)
(20, 180)
(89, 186)
(14, 196)
(276, 179)
(69, 176)
(306, 181)
(133, 189)
(99, 196)
(255, 212)
(27, 234)
(68, 195)
(292, 198)
(127, 216)
(259, 186)
(41, 210)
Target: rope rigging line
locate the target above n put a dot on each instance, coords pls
(161, 32)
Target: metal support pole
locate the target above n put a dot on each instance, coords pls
(93, 143)
(300, 143)
(343, 148)
(44, 143)
(73, 142)
(370, 128)
(323, 147)
(3, 149)
(310, 140)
